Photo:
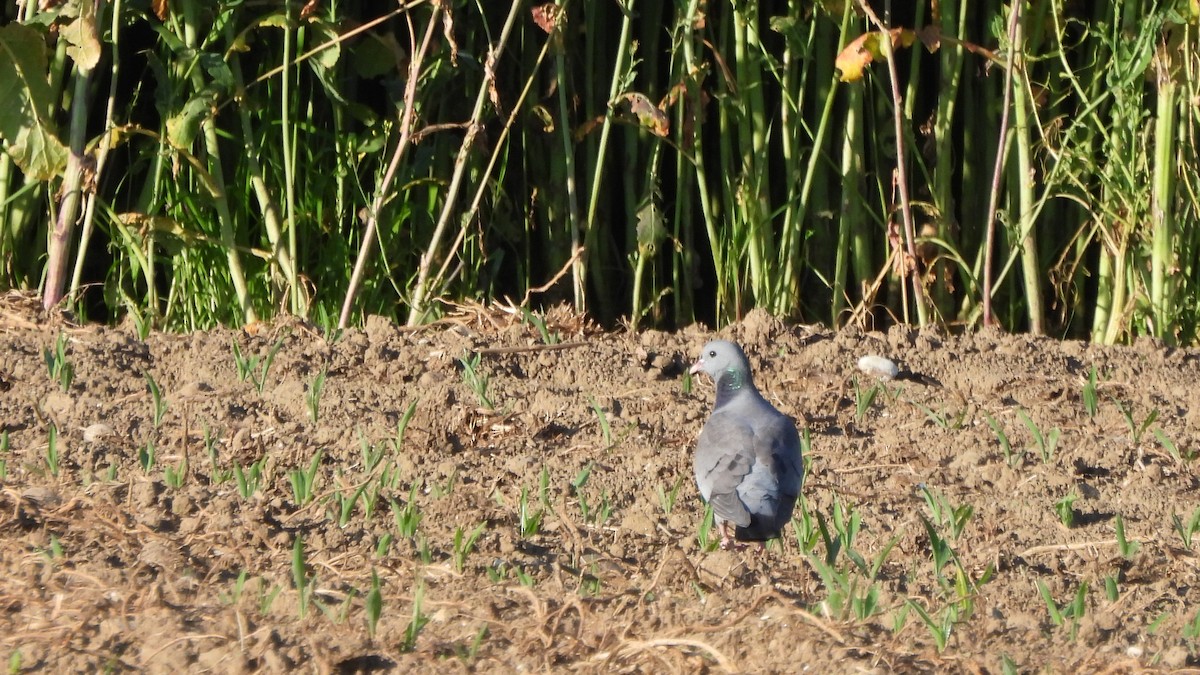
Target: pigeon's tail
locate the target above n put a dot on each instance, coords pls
(764, 526)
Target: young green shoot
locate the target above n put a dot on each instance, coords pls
(1136, 430)
(1186, 531)
(1045, 444)
(602, 417)
(529, 519)
(249, 478)
(159, 403)
(1173, 450)
(1091, 399)
(1005, 447)
(4, 454)
(402, 425)
(407, 517)
(475, 379)
(147, 455)
(175, 476)
(373, 604)
(418, 621)
(1125, 547)
(61, 370)
(464, 544)
(945, 515)
(539, 324)
(304, 481)
(666, 500)
(1065, 508)
(1111, 591)
(312, 397)
(863, 399)
(705, 531)
(939, 628)
(301, 579)
(52, 456)
(253, 367)
(1073, 610)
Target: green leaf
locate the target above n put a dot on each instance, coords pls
(25, 121)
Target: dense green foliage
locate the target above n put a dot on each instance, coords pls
(207, 161)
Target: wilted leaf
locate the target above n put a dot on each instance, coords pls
(83, 43)
(866, 48)
(24, 120)
(642, 110)
(183, 126)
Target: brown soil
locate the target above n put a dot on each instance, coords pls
(107, 566)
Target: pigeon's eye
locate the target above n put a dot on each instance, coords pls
(712, 354)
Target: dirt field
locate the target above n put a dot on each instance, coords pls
(137, 537)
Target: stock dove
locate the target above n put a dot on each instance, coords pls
(748, 464)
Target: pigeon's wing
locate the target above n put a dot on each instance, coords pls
(725, 454)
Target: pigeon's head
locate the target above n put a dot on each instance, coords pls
(721, 356)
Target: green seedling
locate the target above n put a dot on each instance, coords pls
(704, 532)
(373, 604)
(1091, 399)
(1065, 508)
(235, 595)
(667, 499)
(863, 399)
(1074, 610)
(1126, 547)
(529, 519)
(939, 548)
(464, 544)
(384, 545)
(345, 504)
(1005, 447)
(370, 499)
(252, 367)
(15, 662)
(175, 476)
(402, 425)
(1136, 430)
(939, 628)
(216, 474)
(52, 456)
(312, 397)
(581, 478)
(539, 324)
(685, 386)
(1191, 631)
(4, 454)
(544, 489)
(160, 404)
(304, 481)
(1045, 444)
(475, 379)
(372, 453)
(1186, 530)
(147, 455)
(805, 527)
(303, 583)
(266, 596)
(248, 479)
(847, 521)
(943, 420)
(1169, 445)
(472, 652)
(605, 431)
(1008, 666)
(418, 621)
(1111, 591)
(61, 370)
(946, 516)
(407, 517)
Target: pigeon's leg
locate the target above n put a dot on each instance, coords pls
(727, 540)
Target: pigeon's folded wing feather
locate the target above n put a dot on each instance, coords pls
(724, 456)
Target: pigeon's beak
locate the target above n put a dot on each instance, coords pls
(697, 366)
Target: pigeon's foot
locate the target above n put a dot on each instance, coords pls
(727, 540)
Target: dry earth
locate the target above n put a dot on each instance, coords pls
(135, 550)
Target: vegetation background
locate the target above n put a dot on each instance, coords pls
(654, 162)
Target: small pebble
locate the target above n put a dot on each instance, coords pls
(884, 369)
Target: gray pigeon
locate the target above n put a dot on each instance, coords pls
(748, 464)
